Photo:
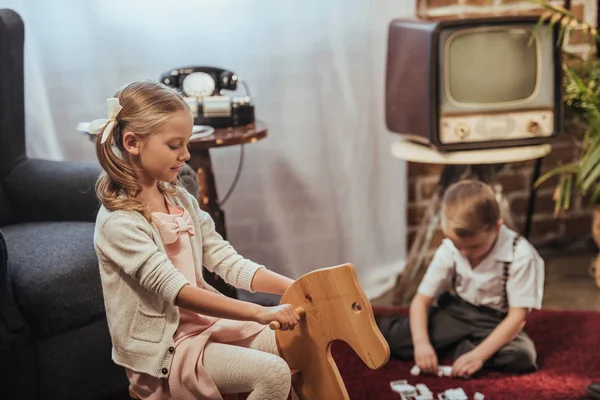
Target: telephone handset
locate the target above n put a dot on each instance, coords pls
(203, 89)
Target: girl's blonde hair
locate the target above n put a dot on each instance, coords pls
(470, 207)
(147, 106)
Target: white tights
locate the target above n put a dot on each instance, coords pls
(249, 365)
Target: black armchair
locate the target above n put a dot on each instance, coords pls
(54, 339)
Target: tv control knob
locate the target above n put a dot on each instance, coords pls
(534, 127)
(462, 130)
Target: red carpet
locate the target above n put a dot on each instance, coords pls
(568, 345)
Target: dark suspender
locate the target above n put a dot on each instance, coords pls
(454, 276)
(504, 276)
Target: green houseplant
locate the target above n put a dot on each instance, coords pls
(581, 84)
(582, 100)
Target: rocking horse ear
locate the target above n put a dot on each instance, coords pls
(328, 316)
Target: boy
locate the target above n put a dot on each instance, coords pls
(496, 277)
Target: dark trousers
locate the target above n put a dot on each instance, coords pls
(456, 326)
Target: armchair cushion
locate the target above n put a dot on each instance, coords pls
(44, 190)
(54, 272)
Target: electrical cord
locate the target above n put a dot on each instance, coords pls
(241, 160)
(246, 88)
(236, 178)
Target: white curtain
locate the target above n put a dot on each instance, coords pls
(323, 188)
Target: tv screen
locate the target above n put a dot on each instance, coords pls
(508, 73)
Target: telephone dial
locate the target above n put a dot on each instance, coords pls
(203, 88)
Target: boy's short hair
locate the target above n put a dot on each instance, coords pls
(469, 207)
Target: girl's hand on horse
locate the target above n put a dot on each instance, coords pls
(285, 314)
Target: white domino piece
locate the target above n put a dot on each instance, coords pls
(424, 392)
(403, 388)
(415, 371)
(478, 396)
(456, 394)
(444, 370)
(422, 388)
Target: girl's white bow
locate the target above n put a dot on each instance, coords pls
(103, 125)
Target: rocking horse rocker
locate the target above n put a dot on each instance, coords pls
(333, 306)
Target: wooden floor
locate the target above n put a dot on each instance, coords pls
(568, 285)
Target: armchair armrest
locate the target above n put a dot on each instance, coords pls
(11, 321)
(44, 190)
(17, 359)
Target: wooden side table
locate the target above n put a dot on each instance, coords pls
(207, 190)
(480, 164)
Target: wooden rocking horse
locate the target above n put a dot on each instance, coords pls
(333, 306)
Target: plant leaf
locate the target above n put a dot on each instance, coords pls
(554, 14)
(559, 205)
(560, 170)
(591, 178)
(568, 191)
(590, 158)
(595, 196)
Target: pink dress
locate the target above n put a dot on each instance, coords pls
(188, 378)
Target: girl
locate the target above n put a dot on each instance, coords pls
(176, 336)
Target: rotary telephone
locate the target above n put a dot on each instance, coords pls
(203, 88)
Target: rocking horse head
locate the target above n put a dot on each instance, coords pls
(334, 307)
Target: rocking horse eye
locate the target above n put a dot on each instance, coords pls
(356, 307)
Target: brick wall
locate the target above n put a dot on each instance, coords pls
(546, 230)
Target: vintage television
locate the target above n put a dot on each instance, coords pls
(474, 83)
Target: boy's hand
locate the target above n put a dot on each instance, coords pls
(426, 358)
(466, 365)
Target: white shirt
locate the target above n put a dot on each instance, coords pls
(484, 285)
